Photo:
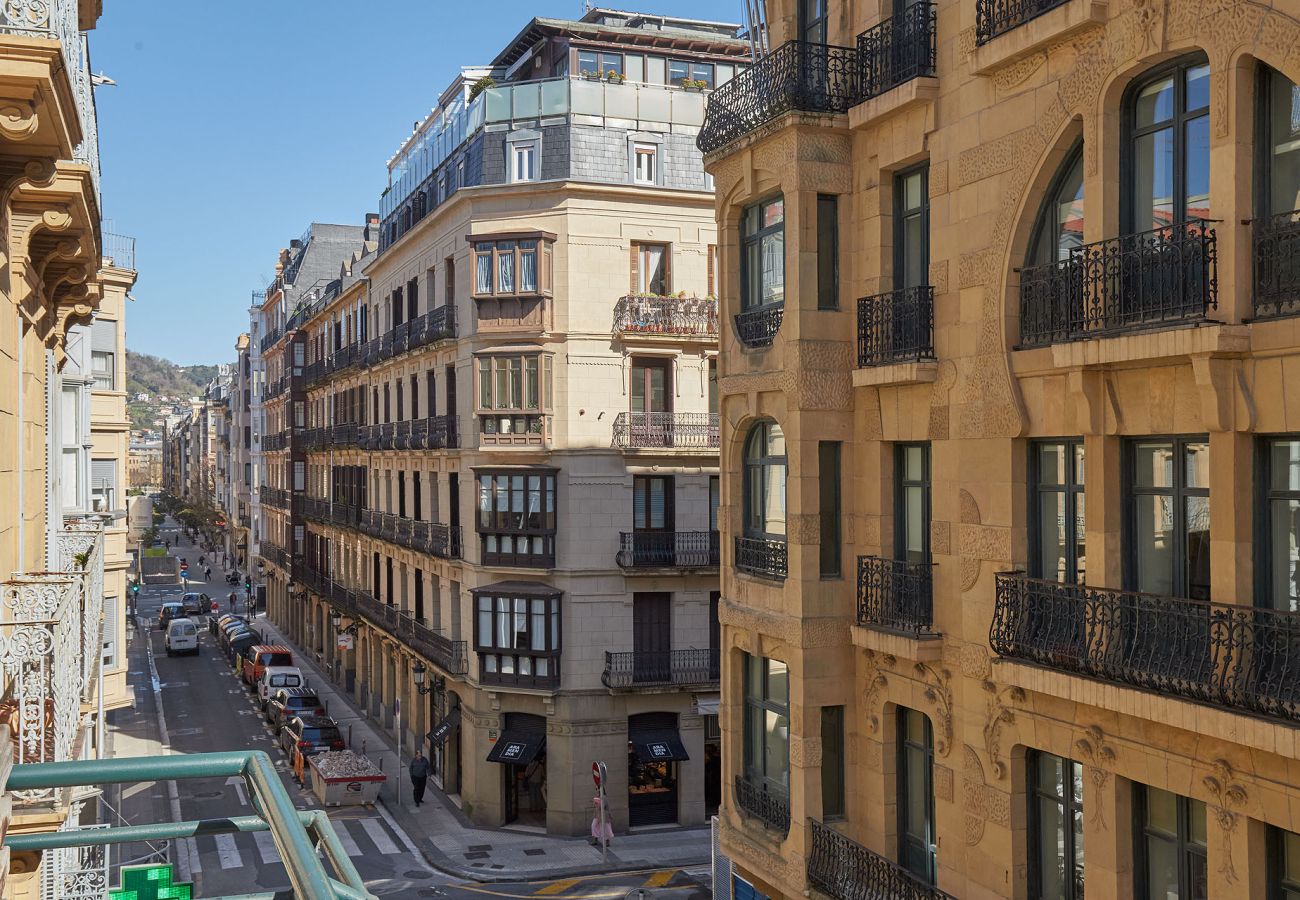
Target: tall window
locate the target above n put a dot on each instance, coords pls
(1281, 502)
(767, 723)
(828, 491)
(916, 794)
(813, 21)
(513, 393)
(1169, 152)
(1060, 223)
(911, 228)
(715, 499)
(523, 156)
(765, 467)
(1056, 827)
(652, 503)
(832, 761)
(1278, 144)
(645, 163)
(1169, 518)
(762, 277)
(1171, 844)
(516, 520)
(518, 638)
(912, 510)
(1284, 870)
(650, 269)
(1057, 471)
(828, 251)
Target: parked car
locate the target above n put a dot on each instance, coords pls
(310, 735)
(263, 656)
(167, 612)
(238, 644)
(286, 703)
(182, 637)
(278, 677)
(195, 604)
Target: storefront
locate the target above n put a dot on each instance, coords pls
(521, 751)
(444, 750)
(654, 750)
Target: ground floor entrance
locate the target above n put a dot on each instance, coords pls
(654, 751)
(521, 751)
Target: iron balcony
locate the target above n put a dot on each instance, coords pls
(1276, 269)
(767, 804)
(668, 549)
(654, 669)
(666, 431)
(757, 327)
(846, 870)
(764, 557)
(896, 595)
(995, 17)
(666, 317)
(897, 50)
(897, 326)
(1152, 279)
(1242, 658)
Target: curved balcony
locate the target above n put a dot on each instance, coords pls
(1276, 270)
(666, 431)
(757, 327)
(768, 805)
(846, 870)
(666, 318)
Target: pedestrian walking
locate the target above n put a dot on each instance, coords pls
(231, 598)
(419, 769)
(202, 561)
(207, 573)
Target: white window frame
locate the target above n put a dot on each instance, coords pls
(521, 151)
(645, 174)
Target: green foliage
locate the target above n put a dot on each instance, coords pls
(481, 85)
(155, 551)
(156, 377)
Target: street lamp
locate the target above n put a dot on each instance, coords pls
(418, 672)
(336, 619)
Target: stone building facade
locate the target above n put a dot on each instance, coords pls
(970, 253)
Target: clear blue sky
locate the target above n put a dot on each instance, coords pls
(234, 125)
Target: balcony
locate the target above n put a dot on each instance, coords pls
(1276, 269)
(513, 429)
(414, 534)
(666, 431)
(756, 328)
(897, 50)
(275, 497)
(660, 669)
(995, 17)
(770, 806)
(668, 550)
(1154, 279)
(639, 317)
(897, 326)
(896, 596)
(763, 557)
(846, 870)
(1241, 658)
(798, 76)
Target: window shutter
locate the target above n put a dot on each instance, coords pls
(668, 268)
(633, 269)
(103, 336)
(110, 632)
(712, 257)
(103, 473)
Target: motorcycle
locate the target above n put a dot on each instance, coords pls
(232, 578)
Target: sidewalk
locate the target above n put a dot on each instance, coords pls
(455, 846)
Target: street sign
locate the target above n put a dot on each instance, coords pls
(345, 642)
(595, 773)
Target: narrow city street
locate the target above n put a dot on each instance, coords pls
(191, 704)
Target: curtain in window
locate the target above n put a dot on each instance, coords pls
(506, 267)
(483, 273)
(527, 266)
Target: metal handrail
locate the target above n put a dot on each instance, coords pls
(846, 870)
(896, 595)
(666, 430)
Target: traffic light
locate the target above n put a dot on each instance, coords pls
(135, 587)
(248, 583)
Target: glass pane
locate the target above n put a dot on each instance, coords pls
(1153, 187)
(528, 271)
(1052, 561)
(774, 212)
(914, 524)
(1198, 548)
(1197, 168)
(1284, 466)
(1162, 811)
(1154, 465)
(776, 749)
(1198, 87)
(914, 463)
(775, 440)
(1284, 552)
(1077, 827)
(772, 278)
(1291, 857)
(506, 272)
(530, 383)
(915, 264)
(1154, 544)
(1162, 870)
(1155, 103)
(1196, 464)
(912, 191)
(1078, 464)
(778, 682)
(483, 273)
(774, 497)
(917, 802)
(1051, 464)
(1195, 821)
(1284, 134)
(653, 262)
(1080, 539)
(1051, 848)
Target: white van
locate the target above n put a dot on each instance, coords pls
(276, 677)
(182, 637)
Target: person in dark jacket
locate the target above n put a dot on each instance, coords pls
(419, 769)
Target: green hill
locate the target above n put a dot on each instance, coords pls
(157, 377)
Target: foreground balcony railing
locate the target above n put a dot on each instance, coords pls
(666, 430)
(1276, 270)
(995, 17)
(668, 549)
(897, 326)
(655, 316)
(757, 327)
(896, 595)
(764, 557)
(666, 668)
(798, 76)
(1138, 281)
(846, 870)
(769, 805)
(1239, 657)
(897, 50)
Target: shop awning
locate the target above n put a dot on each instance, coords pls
(658, 746)
(517, 748)
(449, 724)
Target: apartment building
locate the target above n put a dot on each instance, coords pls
(1009, 450)
(241, 453)
(510, 437)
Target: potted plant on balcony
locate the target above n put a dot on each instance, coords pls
(614, 77)
(692, 84)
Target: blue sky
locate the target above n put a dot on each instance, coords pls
(234, 125)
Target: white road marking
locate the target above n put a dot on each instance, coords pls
(266, 847)
(349, 845)
(375, 831)
(399, 831)
(188, 861)
(228, 852)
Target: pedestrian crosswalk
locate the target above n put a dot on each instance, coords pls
(360, 837)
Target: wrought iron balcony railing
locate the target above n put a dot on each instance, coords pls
(757, 327)
(667, 668)
(1138, 281)
(666, 316)
(120, 250)
(1239, 657)
(666, 430)
(995, 17)
(768, 804)
(762, 556)
(273, 496)
(798, 76)
(1276, 269)
(897, 326)
(897, 50)
(425, 537)
(846, 870)
(896, 595)
(668, 549)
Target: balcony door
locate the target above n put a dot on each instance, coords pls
(907, 329)
(813, 21)
(916, 850)
(651, 636)
(651, 400)
(912, 489)
(652, 520)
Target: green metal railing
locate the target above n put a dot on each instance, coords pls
(296, 833)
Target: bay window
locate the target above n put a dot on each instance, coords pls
(763, 254)
(516, 517)
(767, 724)
(514, 396)
(514, 266)
(517, 637)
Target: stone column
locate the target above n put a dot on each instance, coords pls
(1108, 834)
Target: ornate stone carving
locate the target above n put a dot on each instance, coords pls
(973, 660)
(805, 752)
(981, 802)
(1000, 713)
(940, 539)
(943, 783)
(1018, 72)
(19, 119)
(1229, 796)
(968, 509)
(938, 691)
(1100, 756)
(876, 680)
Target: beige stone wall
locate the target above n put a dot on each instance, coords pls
(994, 125)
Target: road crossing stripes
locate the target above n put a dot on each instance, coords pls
(375, 830)
(359, 838)
(228, 852)
(345, 838)
(266, 847)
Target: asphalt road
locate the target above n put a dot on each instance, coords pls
(196, 704)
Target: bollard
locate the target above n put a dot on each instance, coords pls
(349, 735)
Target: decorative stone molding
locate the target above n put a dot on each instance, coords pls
(938, 691)
(1000, 713)
(1100, 756)
(973, 661)
(1229, 796)
(740, 845)
(805, 752)
(943, 783)
(876, 681)
(1226, 402)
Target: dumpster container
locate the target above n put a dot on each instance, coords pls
(343, 778)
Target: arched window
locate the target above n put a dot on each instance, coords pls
(1168, 153)
(765, 481)
(1060, 222)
